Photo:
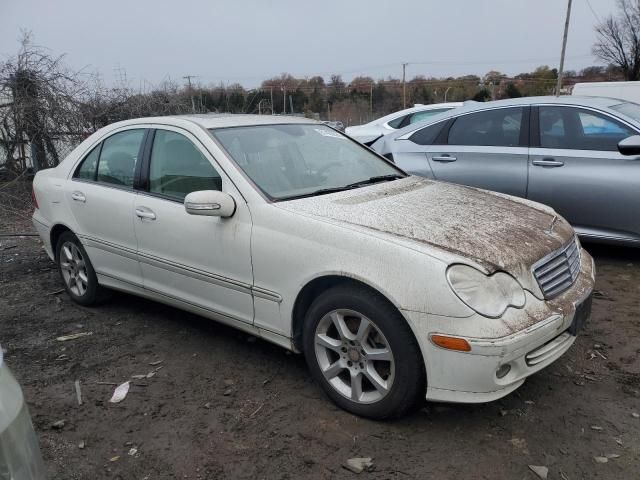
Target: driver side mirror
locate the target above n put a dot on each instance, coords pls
(629, 145)
(212, 203)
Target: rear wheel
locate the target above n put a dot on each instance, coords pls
(363, 354)
(76, 271)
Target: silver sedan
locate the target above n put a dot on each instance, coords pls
(560, 151)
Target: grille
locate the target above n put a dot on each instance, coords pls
(557, 272)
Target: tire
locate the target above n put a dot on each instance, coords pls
(76, 271)
(336, 360)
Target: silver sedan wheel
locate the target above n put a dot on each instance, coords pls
(74, 268)
(354, 356)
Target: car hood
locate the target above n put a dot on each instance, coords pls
(496, 231)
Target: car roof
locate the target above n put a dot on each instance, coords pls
(415, 108)
(223, 120)
(468, 107)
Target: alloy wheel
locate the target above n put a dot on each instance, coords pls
(354, 356)
(74, 269)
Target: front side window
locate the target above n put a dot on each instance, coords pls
(178, 168)
(118, 158)
(294, 160)
(578, 129)
(496, 128)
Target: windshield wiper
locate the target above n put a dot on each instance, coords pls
(323, 191)
(377, 179)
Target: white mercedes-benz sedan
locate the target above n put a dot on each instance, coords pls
(394, 287)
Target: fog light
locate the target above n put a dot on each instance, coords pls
(503, 370)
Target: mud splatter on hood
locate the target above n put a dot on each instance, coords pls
(495, 230)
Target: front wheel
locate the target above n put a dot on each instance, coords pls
(363, 353)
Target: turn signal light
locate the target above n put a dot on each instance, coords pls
(451, 343)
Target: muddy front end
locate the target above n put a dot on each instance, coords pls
(500, 353)
(20, 457)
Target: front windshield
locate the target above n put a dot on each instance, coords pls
(296, 160)
(630, 109)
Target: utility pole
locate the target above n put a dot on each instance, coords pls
(564, 47)
(272, 112)
(404, 87)
(193, 103)
(371, 100)
(284, 100)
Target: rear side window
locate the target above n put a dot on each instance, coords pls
(178, 167)
(88, 167)
(118, 158)
(578, 129)
(395, 123)
(421, 116)
(427, 135)
(492, 128)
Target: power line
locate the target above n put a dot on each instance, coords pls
(593, 11)
(404, 89)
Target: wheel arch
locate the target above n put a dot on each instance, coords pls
(320, 284)
(57, 230)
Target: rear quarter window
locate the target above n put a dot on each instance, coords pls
(427, 135)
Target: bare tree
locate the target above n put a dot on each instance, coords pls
(40, 103)
(619, 39)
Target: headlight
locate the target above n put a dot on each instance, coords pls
(488, 295)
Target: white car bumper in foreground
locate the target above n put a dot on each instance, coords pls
(494, 367)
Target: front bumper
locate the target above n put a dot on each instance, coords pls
(471, 377)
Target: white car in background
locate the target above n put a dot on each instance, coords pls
(370, 132)
(394, 287)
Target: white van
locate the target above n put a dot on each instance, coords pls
(629, 91)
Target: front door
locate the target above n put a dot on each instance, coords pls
(204, 261)
(100, 196)
(575, 167)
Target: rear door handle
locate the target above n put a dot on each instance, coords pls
(144, 212)
(548, 162)
(78, 196)
(444, 158)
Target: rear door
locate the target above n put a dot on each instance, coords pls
(575, 167)
(486, 149)
(100, 196)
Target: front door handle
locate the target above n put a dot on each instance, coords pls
(78, 196)
(144, 212)
(444, 158)
(548, 162)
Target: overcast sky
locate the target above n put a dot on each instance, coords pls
(247, 41)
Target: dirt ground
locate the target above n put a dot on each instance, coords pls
(226, 405)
